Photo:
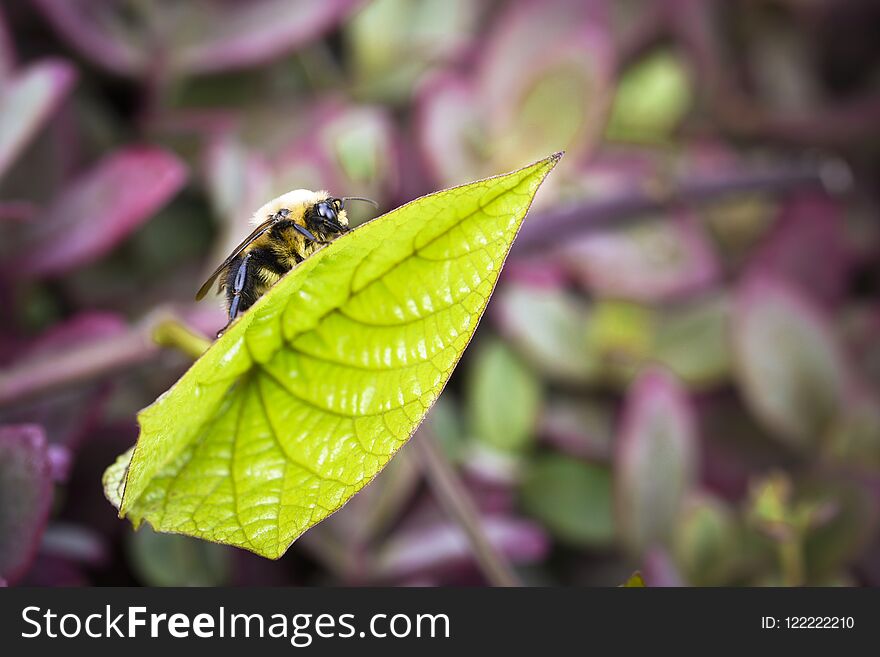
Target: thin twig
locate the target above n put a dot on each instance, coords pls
(174, 333)
(456, 501)
(30, 377)
(554, 225)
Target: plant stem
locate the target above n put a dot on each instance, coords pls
(455, 500)
(31, 377)
(555, 225)
(172, 332)
(792, 560)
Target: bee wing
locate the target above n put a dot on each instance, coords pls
(258, 231)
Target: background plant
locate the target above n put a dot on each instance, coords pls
(679, 371)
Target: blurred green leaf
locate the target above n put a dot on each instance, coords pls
(310, 393)
(620, 333)
(504, 398)
(652, 98)
(446, 422)
(172, 560)
(788, 517)
(414, 36)
(848, 523)
(26, 101)
(693, 341)
(549, 328)
(579, 426)
(706, 542)
(654, 260)
(737, 223)
(572, 499)
(788, 362)
(562, 105)
(656, 460)
(855, 436)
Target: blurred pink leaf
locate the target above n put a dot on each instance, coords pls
(27, 99)
(860, 326)
(447, 123)
(551, 83)
(350, 149)
(653, 261)
(444, 547)
(572, 499)
(809, 231)
(99, 209)
(549, 327)
(578, 426)
(416, 36)
(247, 34)
(530, 89)
(76, 330)
(60, 462)
(92, 28)
(54, 571)
(789, 364)
(235, 178)
(25, 496)
(75, 542)
(7, 51)
(655, 459)
(204, 36)
(17, 210)
(65, 415)
(237, 182)
(659, 569)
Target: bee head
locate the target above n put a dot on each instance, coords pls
(328, 217)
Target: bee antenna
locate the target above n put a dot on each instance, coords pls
(360, 198)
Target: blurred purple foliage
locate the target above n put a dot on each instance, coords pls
(679, 371)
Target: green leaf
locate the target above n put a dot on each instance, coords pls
(504, 398)
(307, 397)
(656, 460)
(652, 99)
(114, 478)
(572, 499)
(549, 328)
(168, 560)
(788, 361)
(706, 541)
(693, 341)
(447, 427)
(635, 581)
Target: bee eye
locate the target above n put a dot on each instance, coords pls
(326, 211)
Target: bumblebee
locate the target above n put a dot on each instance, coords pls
(289, 229)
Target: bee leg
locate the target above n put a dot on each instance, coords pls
(304, 232)
(235, 292)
